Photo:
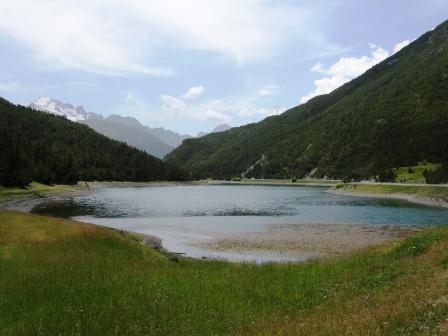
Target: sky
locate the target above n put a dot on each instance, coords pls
(190, 65)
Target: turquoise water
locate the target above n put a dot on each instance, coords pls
(184, 217)
(280, 203)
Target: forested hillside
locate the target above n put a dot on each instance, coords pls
(395, 114)
(51, 149)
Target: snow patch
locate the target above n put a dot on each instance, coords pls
(56, 107)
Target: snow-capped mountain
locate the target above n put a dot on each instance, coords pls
(155, 141)
(50, 105)
(126, 129)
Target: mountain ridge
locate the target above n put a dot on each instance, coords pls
(51, 149)
(117, 127)
(57, 107)
(392, 115)
(156, 141)
(135, 136)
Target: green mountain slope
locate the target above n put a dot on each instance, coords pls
(50, 149)
(395, 114)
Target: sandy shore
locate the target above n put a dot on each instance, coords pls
(428, 201)
(289, 242)
(312, 241)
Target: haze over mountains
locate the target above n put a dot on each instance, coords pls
(51, 149)
(155, 141)
(393, 115)
(126, 129)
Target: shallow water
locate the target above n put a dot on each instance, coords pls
(184, 215)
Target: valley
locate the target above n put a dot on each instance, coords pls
(250, 168)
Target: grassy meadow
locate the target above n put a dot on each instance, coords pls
(414, 174)
(36, 188)
(62, 277)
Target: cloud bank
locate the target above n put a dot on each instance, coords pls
(118, 37)
(217, 111)
(348, 68)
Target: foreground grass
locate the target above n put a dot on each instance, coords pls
(63, 277)
(431, 191)
(36, 188)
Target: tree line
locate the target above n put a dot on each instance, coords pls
(38, 146)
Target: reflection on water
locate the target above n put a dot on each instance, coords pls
(305, 204)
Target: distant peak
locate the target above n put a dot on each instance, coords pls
(221, 128)
(130, 121)
(57, 107)
(217, 129)
(42, 101)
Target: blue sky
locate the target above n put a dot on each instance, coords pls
(191, 65)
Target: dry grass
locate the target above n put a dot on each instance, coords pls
(27, 228)
(416, 302)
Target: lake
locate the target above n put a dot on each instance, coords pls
(184, 216)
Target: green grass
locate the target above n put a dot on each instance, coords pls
(36, 188)
(63, 277)
(414, 174)
(440, 192)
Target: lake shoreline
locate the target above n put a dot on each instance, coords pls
(412, 198)
(26, 201)
(288, 242)
(273, 182)
(312, 241)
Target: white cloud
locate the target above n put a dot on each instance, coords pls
(343, 71)
(268, 90)
(78, 35)
(194, 92)
(173, 103)
(176, 108)
(348, 68)
(173, 109)
(239, 29)
(118, 37)
(318, 67)
(401, 45)
(212, 115)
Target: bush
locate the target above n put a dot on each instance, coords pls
(438, 175)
